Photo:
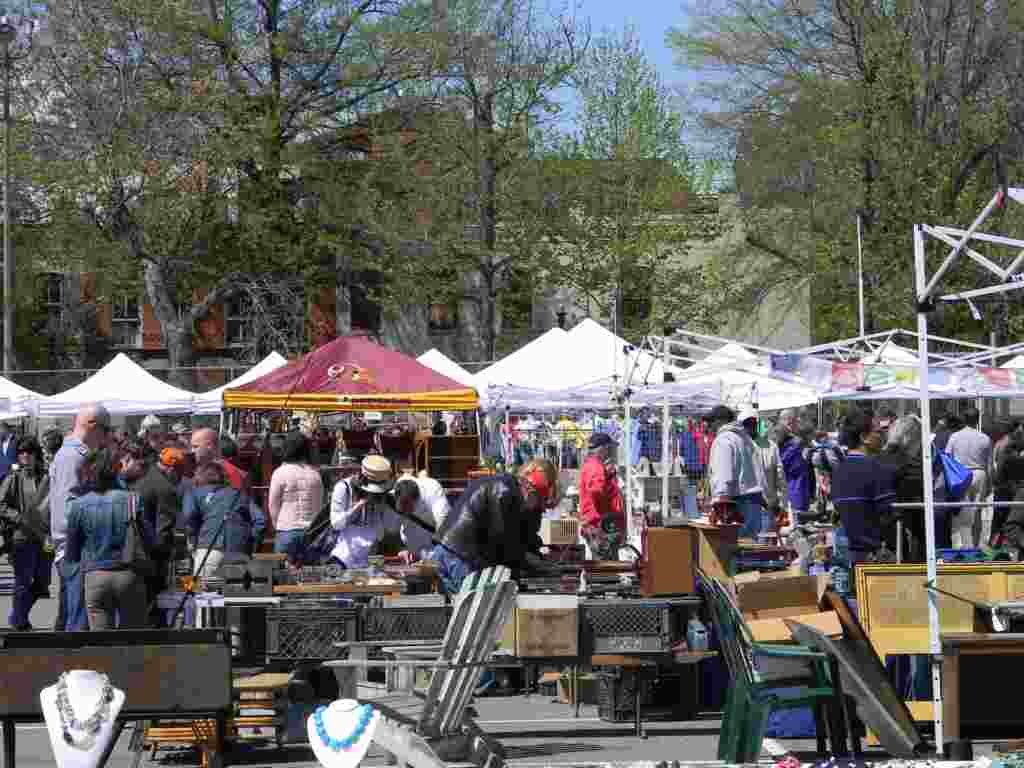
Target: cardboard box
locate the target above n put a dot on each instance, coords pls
(715, 548)
(774, 630)
(775, 597)
(507, 640)
(547, 626)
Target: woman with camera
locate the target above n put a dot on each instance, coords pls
(362, 512)
(25, 495)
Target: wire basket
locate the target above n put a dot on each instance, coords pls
(427, 622)
(308, 629)
(660, 699)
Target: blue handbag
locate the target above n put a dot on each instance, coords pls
(958, 478)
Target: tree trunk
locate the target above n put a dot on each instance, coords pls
(161, 291)
(343, 294)
(488, 170)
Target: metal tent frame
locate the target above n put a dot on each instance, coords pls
(928, 298)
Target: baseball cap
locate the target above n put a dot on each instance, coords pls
(746, 414)
(172, 457)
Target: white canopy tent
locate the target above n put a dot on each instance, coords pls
(15, 399)
(744, 380)
(124, 388)
(598, 354)
(212, 402)
(1015, 363)
(697, 397)
(589, 356)
(522, 367)
(438, 361)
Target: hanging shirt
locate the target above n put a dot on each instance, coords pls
(690, 451)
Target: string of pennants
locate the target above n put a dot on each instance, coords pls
(837, 376)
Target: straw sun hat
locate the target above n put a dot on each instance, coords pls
(377, 474)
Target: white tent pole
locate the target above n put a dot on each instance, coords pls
(665, 458)
(860, 277)
(929, 496)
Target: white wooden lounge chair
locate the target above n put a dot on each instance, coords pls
(426, 729)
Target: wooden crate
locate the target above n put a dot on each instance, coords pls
(668, 562)
(547, 626)
(564, 531)
(670, 555)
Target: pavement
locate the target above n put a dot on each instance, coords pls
(535, 731)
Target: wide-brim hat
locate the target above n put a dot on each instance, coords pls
(378, 476)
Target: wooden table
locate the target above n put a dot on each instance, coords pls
(339, 588)
(956, 645)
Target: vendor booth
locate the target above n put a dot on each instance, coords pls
(210, 403)
(124, 387)
(437, 360)
(353, 375)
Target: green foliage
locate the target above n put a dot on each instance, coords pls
(621, 187)
(899, 113)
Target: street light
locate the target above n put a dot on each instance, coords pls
(16, 37)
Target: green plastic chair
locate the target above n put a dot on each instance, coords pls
(753, 695)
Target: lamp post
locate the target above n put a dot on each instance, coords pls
(8, 35)
(16, 37)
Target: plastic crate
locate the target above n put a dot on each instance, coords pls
(308, 629)
(665, 698)
(630, 626)
(426, 622)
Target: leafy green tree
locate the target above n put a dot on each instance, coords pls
(497, 68)
(895, 113)
(625, 178)
(178, 135)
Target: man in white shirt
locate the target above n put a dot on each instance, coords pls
(972, 448)
(420, 498)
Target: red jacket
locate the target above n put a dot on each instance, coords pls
(599, 493)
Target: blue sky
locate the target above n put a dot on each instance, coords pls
(650, 18)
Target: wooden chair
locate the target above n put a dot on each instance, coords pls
(426, 729)
(754, 694)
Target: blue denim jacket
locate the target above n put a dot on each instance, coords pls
(206, 508)
(97, 527)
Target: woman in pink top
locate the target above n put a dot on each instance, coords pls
(296, 495)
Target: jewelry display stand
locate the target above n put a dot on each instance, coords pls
(80, 713)
(341, 733)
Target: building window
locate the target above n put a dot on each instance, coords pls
(126, 322)
(51, 300)
(238, 326)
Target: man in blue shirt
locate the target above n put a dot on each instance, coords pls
(92, 426)
(863, 490)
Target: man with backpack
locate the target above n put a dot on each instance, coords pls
(972, 448)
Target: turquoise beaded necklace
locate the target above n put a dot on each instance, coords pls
(365, 717)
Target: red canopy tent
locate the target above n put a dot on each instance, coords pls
(353, 373)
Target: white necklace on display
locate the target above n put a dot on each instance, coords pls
(92, 724)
